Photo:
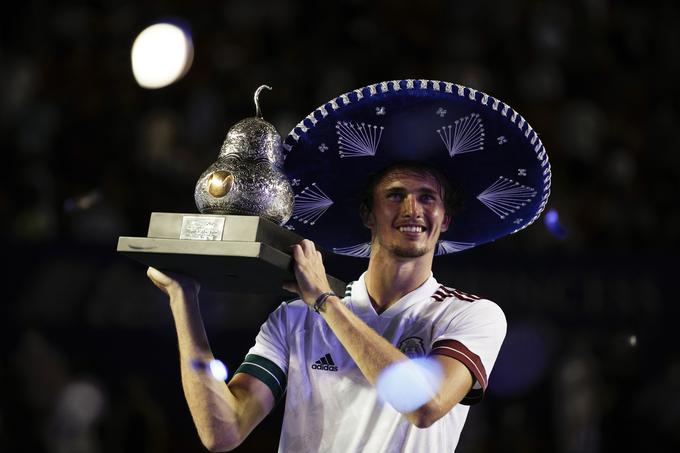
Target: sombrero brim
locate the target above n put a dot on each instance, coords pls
(487, 149)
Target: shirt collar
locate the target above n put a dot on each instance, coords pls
(362, 303)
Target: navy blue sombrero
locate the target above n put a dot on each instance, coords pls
(487, 149)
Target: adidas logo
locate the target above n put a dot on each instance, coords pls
(325, 363)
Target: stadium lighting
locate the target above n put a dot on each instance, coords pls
(161, 55)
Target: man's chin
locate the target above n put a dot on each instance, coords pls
(409, 252)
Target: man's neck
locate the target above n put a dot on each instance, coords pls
(390, 278)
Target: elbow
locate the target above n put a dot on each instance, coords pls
(423, 417)
(219, 444)
(217, 447)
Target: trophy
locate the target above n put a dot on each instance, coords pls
(236, 243)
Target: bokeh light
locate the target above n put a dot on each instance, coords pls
(218, 369)
(552, 223)
(161, 55)
(409, 384)
(215, 367)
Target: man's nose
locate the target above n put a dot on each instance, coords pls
(410, 207)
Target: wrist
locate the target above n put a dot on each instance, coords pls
(319, 304)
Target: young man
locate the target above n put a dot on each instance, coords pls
(396, 297)
(327, 352)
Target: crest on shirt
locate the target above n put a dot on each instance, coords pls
(412, 347)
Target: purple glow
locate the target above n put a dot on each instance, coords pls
(551, 217)
(552, 223)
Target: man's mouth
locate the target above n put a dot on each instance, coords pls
(411, 229)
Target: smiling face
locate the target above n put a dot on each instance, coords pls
(407, 214)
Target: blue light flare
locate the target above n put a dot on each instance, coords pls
(215, 367)
(409, 384)
(218, 369)
(552, 223)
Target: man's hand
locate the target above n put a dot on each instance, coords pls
(171, 284)
(310, 274)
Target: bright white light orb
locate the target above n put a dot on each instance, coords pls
(218, 370)
(409, 384)
(161, 55)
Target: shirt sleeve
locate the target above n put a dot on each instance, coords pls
(473, 335)
(267, 360)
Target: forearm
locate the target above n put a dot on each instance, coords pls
(213, 406)
(370, 351)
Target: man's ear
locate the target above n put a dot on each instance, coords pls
(446, 223)
(366, 216)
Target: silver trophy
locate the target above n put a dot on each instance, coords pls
(236, 243)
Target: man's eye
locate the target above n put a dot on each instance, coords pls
(395, 196)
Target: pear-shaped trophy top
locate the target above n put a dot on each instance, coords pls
(247, 178)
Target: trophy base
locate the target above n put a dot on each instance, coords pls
(238, 254)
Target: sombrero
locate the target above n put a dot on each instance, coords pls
(489, 151)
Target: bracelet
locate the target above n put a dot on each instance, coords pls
(321, 301)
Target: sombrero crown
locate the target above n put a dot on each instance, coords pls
(484, 146)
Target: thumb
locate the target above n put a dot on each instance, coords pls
(158, 277)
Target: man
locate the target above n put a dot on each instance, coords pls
(327, 352)
(406, 218)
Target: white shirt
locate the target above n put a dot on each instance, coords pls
(331, 407)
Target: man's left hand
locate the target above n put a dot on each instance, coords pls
(310, 274)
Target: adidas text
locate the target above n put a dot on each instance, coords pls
(324, 367)
(325, 363)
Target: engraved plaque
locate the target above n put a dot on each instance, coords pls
(202, 228)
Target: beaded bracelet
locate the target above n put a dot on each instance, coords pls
(321, 301)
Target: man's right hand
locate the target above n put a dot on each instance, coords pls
(171, 283)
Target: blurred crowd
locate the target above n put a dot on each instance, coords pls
(88, 360)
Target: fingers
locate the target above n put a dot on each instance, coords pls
(308, 247)
(305, 249)
(158, 277)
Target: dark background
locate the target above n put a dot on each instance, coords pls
(88, 360)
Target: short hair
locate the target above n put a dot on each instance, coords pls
(451, 194)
